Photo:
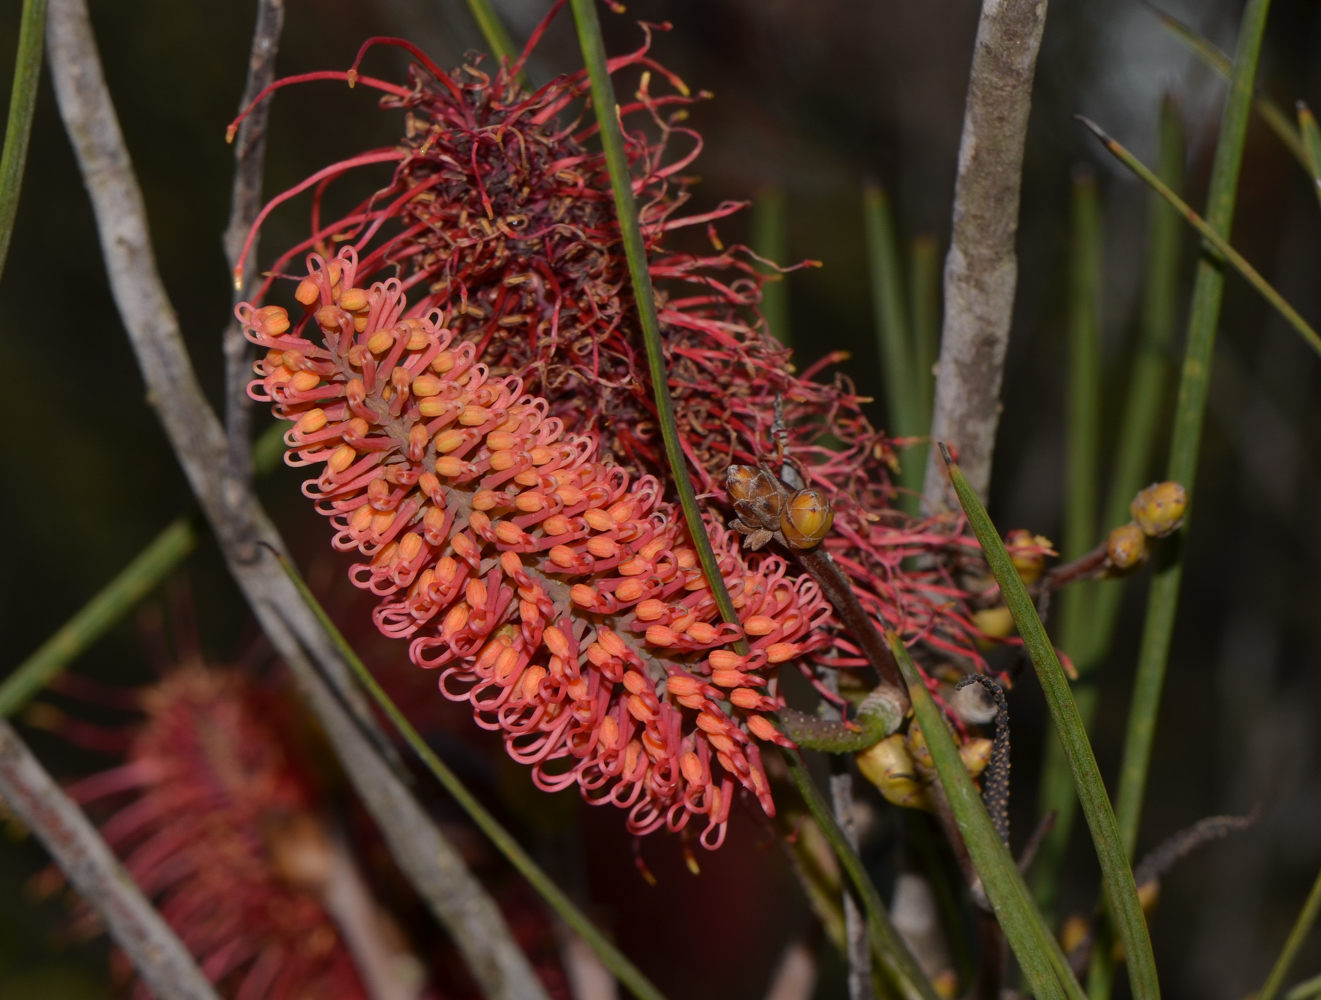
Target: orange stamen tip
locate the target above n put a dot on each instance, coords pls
(230, 132)
(352, 78)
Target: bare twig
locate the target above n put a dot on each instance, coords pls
(856, 946)
(795, 973)
(245, 203)
(160, 957)
(431, 863)
(981, 270)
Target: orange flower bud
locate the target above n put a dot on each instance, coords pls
(762, 728)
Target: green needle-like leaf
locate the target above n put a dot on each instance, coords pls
(1211, 235)
(1083, 414)
(1271, 113)
(770, 239)
(1147, 390)
(1038, 955)
(1185, 443)
(121, 595)
(1311, 145)
(1121, 891)
(98, 615)
(614, 959)
(493, 30)
(1301, 928)
(22, 106)
(907, 416)
(892, 956)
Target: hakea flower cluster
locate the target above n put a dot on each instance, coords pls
(220, 828)
(557, 594)
(498, 214)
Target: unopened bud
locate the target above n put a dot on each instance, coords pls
(1159, 509)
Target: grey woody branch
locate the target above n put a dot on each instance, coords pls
(981, 271)
(244, 532)
(77, 847)
(245, 204)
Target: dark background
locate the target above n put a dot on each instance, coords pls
(813, 98)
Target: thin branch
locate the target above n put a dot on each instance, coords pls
(92, 868)
(431, 863)
(981, 271)
(245, 203)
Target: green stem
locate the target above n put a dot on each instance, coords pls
(1212, 234)
(1308, 989)
(614, 959)
(1301, 928)
(1120, 890)
(890, 952)
(770, 226)
(1147, 389)
(118, 597)
(98, 615)
(22, 107)
(1311, 145)
(1033, 945)
(612, 143)
(898, 964)
(925, 298)
(493, 30)
(894, 339)
(1271, 113)
(1083, 417)
(1189, 414)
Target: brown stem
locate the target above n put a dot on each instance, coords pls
(431, 863)
(837, 590)
(77, 847)
(1080, 569)
(981, 270)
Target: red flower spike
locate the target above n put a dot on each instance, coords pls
(222, 832)
(500, 222)
(515, 558)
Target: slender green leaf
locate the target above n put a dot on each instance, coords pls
(1121, 892)
(896, 962)
(770, 239)
(612, 143)
(614, 959)
(1308, 989)
(1083, 414)
(891, 954)
(1212, 236)
(1025, 929)
(98, 615)
(493, 29)
(120, 596)
(1185, 442)
(22, 107)
(1271, 113)
(1190, 411)
(1311, 145)
(907, 417)
(925, 299)
(1301, 928)
(887, 296)
(1147, 389)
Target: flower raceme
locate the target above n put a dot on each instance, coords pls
(222, 830)
(555, 593)
(500, 214)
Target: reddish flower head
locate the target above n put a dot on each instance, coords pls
(492, 445)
